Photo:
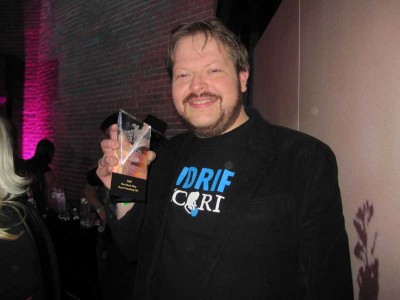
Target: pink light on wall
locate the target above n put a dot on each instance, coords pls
(3, 100)
(41, 74)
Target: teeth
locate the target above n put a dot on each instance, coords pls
(201, 101)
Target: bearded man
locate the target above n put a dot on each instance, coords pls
(237, 208)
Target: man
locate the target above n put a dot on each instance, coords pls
(237, 208)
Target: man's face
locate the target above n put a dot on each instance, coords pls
(206, 88)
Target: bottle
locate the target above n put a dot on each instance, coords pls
(85, 213)
(75, 214)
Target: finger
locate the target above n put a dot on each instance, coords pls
(151, 155)
(109, 144)
(106, 165)
(102, 170)
(108, 161)
(113, 131)
(111, 160)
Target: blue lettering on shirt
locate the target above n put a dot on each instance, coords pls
(206, 179)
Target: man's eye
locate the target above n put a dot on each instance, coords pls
(214, 70)
(182, 75)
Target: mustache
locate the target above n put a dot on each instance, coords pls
(204, 94)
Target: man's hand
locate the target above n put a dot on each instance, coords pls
(109, 161)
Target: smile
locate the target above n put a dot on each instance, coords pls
(201, 101)
(204, 100)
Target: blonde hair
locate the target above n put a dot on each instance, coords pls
(11, 185)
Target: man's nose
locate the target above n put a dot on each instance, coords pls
(198, 83)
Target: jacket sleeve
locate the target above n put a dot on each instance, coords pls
(127, 231)
(325, 269)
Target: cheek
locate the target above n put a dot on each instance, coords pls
(177, 98)
(177, 105)
(178, 90)
(229, 89)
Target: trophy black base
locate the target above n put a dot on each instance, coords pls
(126, 188)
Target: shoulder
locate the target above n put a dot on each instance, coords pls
(13, 215)
(306, 152)
(19, 259)
(289, 142)
(290, 137)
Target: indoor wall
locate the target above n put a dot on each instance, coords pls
(332, 69)
(85, 60)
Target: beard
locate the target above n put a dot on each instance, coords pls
(226, 119)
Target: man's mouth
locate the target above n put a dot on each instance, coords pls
(201, 100)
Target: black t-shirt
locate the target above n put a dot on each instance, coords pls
(202, 190)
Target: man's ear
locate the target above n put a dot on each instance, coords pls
(243, 77)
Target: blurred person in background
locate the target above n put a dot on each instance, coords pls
(93, 190)
(27, 262)
(116, 271)
(38, 168)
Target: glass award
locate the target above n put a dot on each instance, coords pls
(129, 177)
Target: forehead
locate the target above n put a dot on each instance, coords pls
(198, 44)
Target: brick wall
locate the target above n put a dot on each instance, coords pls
(93, 58)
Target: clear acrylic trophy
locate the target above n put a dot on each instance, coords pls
(129, 178)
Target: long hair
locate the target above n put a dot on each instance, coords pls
(11, 185)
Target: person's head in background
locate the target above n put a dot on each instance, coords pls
(158, 129)
(107, 122)
(44, 152)
(11, 185)
(209, 68)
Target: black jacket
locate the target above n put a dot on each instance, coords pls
(29, 264)
(284, 237)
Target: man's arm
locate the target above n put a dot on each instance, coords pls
(90, 194)
(325, 267)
